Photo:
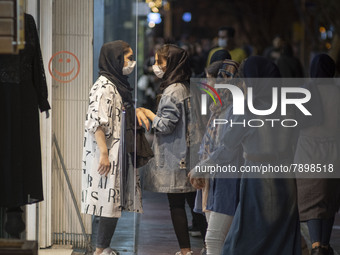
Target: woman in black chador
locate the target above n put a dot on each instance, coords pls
(23, 89)
(266, 221)
(318, 143)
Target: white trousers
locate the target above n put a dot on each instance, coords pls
(218, 227)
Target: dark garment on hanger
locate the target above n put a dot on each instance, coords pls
(23, 89)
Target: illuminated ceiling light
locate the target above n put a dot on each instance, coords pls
(154, 17)
(186, 17)
(151, 24)
(155, 9)
(158, 3)
(322, 30)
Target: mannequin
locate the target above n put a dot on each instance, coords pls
(24, 91)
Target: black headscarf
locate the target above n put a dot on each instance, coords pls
(322, 66)
(177, 67)
(111, 63)
(261, 67)
(220, 55)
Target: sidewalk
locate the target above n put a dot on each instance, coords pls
(153, 234)
(156, 236)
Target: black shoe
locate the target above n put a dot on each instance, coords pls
(319, 251)
(194, 231)
(328, 251)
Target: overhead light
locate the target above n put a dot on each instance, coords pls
(186, 16)
(155, 9)
(152, 24)
(154, 17)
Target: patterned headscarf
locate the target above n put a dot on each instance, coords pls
(228, 70)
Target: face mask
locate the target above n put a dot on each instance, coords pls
(129, 68)
(222, 42)
(158, 71)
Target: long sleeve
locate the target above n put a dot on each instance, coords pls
(229, 142)
(168, 114)
(101, 111)
(39, 78)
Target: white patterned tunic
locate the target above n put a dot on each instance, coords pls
(100, 194)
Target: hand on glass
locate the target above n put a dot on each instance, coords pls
(104, 164)
(141, 117)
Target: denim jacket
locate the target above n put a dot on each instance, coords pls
(167, 171)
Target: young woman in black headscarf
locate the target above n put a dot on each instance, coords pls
(108, 171)
(167, 171)
(318, 145)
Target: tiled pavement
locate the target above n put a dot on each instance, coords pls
(155, 235)
(151, 233)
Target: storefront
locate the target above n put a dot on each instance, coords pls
(71, 35)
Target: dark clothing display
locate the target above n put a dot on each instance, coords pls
(24, 90)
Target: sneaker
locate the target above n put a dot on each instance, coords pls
(318, 251)
(194, 231)
(180, 253)
(109, 251)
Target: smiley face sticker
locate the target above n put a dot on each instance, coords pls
(66, 66)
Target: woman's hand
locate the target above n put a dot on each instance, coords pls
(197, 183)
(141, 117)
(104, 164)
(149, 114)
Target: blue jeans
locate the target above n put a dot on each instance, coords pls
(320, 230)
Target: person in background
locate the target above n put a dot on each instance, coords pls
(220, 192)
(167, 171)
(102, 189)
(318, 144)
(266, 221)
(289, 65)
(273, 52)
(226, 41)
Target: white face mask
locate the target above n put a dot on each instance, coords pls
(222, 42)
(158, 71)
(129, 68)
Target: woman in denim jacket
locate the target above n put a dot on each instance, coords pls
(167, 171)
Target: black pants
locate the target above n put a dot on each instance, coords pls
(320, 230)
(105, 231)
(179, 217)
